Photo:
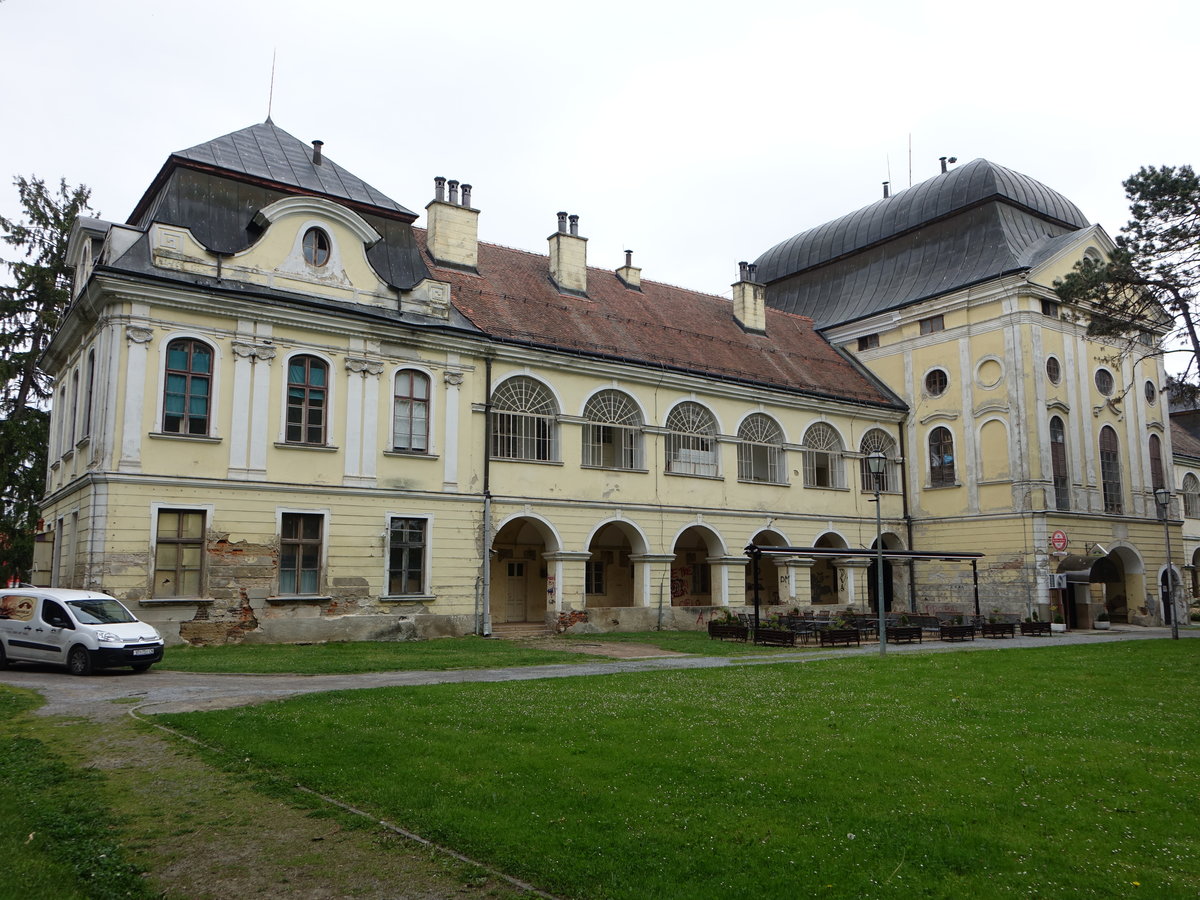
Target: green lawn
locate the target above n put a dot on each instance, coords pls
(697, 642)
(54, 829)
(1034, 773)
(362, 656)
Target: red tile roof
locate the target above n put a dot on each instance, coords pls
(513, 299)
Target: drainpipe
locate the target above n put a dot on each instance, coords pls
(486, 619)
(908, 526)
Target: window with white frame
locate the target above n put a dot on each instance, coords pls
(1191, 496)
(691, 441)
(407, 541)
(760, 450)
(879, 441)
(612, 435)
(307, 400)
(410, 412)
(823, 463)
(524, 421)
(301, 536)
(188, 387)
(178, 553)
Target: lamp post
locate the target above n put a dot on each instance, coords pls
(1162, 497)
(876, 461)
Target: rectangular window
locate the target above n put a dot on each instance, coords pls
(406, 557)
(701, 579)
(300, 553)
(1050, 308)
(410, 412)
(594, 577)
(692, 454)
(612, 446)
(522, 436)
(932, 324)
(868, 342)
(178, 553)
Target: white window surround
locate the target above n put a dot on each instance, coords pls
(426, 562)
(330, 397)
(431, 410)
(323, 579)
(209, 510)
(214, 382)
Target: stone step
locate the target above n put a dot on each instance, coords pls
(519, 630)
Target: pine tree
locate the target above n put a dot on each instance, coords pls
(1152, 277)
(32, 304)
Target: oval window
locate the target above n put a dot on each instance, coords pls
(1104, 381)
(316, 247)
(936, 382)
(1053, 370)
(1151, 392)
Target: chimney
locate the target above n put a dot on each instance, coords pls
(630, 275)
(453, 228)
(317, 145)
(887, 190)
(750, 299)
(568, 257)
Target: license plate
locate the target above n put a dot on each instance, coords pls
(143, 652)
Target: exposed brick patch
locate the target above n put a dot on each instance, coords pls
(567, 619)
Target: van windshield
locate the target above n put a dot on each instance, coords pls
(100, 612)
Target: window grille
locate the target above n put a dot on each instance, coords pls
(410, 412)
(308, 382)
(300, 553)
(823, 464)
(1110, 470)
(612, 436)
(760, 451)
(941, 458)
(188, 386)
(691, 445)
(406, 557)
(879, 441)
(1058, 464)
(1191, 496)
(178, 553)
(524, 421)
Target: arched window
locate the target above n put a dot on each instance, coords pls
(612, 435)
(878, 440)
(941, 458)
(74, 411)
(410, 412)
(1110, 470)
(1058, 464)
(89, 390)
(307, 400)
(691, 442)
(1191, 496)
(188, 387)
(823, 465)
(524, 421)
(760, 451)
(1156, 463)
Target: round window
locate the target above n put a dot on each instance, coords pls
(316, 247)
(1151, 392)
(1053, 370)
(936, 382)
(1104, 381)
(989, 373)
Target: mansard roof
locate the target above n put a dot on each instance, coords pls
(962, 227)
(512, 299)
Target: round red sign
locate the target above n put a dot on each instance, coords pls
(1058, 540)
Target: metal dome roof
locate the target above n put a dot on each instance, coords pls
(968, 185)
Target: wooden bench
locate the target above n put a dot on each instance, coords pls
(957, 632)
(998, 629)
(831, 637)
(1031, 629)
(727, 630)
(775, 637)
(904, 634)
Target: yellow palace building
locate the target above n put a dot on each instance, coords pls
(283, 411)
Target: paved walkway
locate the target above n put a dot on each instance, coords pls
(159, 691)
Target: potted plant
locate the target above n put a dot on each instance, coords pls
(1057, 623)
(1102, 622)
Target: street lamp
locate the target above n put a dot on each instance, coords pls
(876, 460)
(1162, 497)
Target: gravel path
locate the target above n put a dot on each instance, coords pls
(159, 691)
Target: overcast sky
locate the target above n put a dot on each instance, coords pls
(696, 134)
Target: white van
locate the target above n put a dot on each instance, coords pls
(82, 630)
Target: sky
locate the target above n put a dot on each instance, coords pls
(695, 134)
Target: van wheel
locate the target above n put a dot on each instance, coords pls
(3, 657)
(79, 662)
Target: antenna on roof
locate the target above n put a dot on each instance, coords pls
(271, 92)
